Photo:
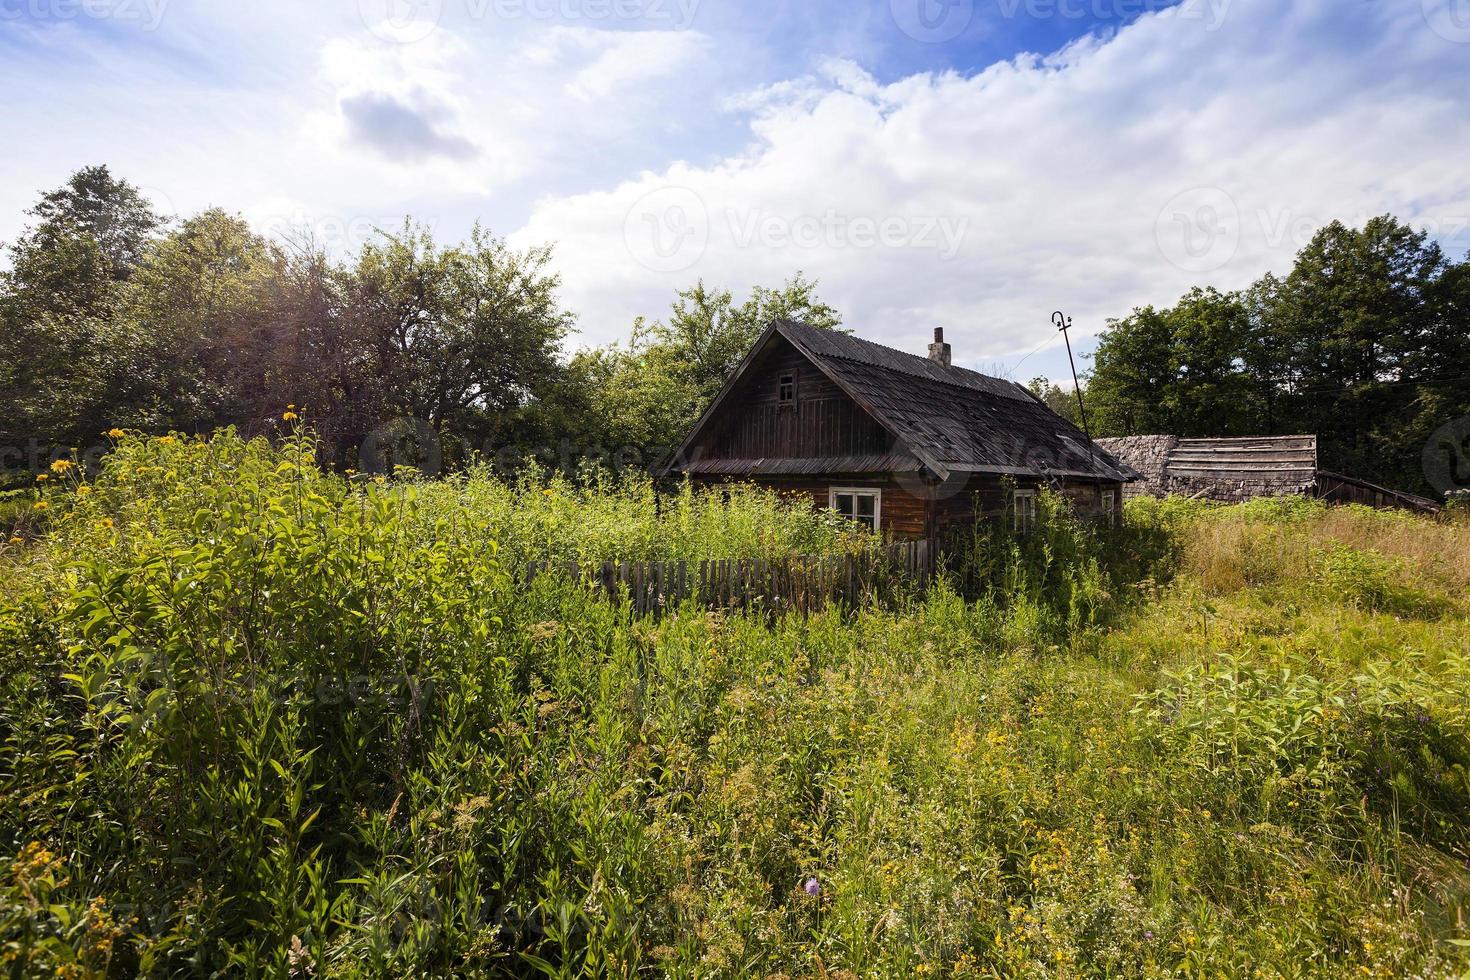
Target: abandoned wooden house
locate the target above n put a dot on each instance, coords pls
(1241, 468)
(911, 445)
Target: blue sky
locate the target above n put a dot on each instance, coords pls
(973, 164)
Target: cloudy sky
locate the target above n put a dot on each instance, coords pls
(971, 164)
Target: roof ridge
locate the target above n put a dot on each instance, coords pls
(917, 364)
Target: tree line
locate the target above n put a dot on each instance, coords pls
(1365, 343)
(112, 315)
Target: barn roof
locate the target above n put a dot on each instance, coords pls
(944, 419)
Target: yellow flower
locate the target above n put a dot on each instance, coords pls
(289, 416)
(42, 505)
(61, 466)
(291, 408)
(548, 493)
(42, 477)
(83, 491)
(166, 440)
(115, 433)
(17, 540)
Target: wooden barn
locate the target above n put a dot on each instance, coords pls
(1231, 469)
(911, 445)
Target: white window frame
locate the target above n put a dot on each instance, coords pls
(875, 492)
(1023, 509)
(1110, 503)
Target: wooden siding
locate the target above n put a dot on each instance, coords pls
(820, 422)
(912, 508)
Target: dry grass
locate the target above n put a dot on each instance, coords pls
(1282, 542)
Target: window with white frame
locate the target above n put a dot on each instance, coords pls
(1109, 503)
(1023, 510)
(858, 504)
(786, 389)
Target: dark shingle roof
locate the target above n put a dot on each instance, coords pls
(953, 418)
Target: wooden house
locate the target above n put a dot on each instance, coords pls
(912, 445)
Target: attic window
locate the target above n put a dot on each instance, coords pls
(787, 389)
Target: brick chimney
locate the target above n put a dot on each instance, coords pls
(939, 350)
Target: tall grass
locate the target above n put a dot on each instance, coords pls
(259, 720)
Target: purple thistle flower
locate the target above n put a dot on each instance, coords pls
(1149, 934)
(812, 887)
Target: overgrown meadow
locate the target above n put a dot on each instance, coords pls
(262, 720)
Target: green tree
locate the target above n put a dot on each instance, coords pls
(1356, 317)
(64, 283)
(464, 338)
(111, 211)
(1133, 374)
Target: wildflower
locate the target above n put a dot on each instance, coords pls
(61, 465)
(289, 416)
(83, 491)
(42, 477)
(548, 493)
(812, 887)
(115, 433)
(299, 958)
(106, 522)
(15, 540)
(1149, 934)
(166, 440)
(41, 505)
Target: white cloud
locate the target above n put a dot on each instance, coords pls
(301, 115)
(1119, 171)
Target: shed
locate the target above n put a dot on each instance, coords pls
(1244, 467)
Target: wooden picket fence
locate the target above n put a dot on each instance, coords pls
(803, 583)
